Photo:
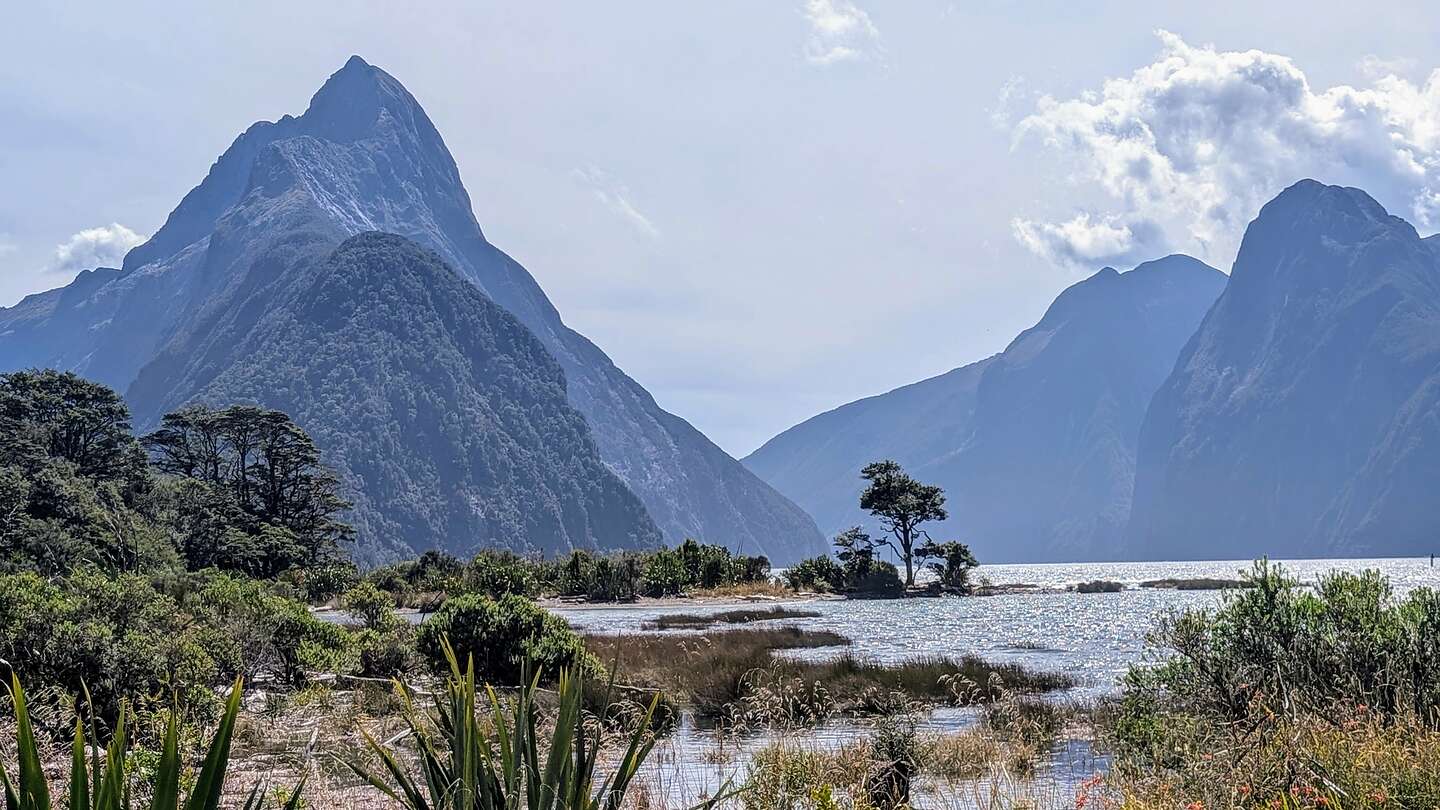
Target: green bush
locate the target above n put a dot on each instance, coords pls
(883, 579)
(372, 607)
(663, 574)
(499, 634)
(388, 652)
(116, 637)
(497, 573)
(252, 632)
(821, 574)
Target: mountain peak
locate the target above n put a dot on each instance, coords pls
(347, 106)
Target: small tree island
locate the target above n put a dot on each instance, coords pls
(901, 505)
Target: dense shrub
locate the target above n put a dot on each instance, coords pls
(823, 574)
(415, 581)
(663, 572)
(497, 573)
(115, 636)
(388, 652)
(259, 635)
(816, 574)
(500, 634)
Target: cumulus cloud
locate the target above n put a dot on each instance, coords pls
(616, 197)
(1089, 242)
(840, 31)
(1195, 142)
(104, 246)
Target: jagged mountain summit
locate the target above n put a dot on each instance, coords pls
(1303, 418)
(364, 157)
(1035, 446)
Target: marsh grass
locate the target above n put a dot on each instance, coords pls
(700, 621)
(734, 677)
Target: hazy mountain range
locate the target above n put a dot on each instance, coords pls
(216, 307)
(329, 265)
(1035, 446)
(1292, 409)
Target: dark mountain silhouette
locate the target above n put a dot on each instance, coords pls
(364, 157)
(1303, 418)
(1035, 447)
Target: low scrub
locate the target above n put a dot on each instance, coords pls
(1320, 698)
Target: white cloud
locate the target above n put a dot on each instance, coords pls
(840, 31)
(1088, 242)
(616, 197)
(7, 245)
(104, 246)
(1199, 139)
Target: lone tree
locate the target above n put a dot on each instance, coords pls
(901, 504)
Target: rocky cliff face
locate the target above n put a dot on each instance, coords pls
(364, 157)
(1035, 447)
(1303, 418)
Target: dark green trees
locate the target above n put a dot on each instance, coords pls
(901, 504)
(241, 489)
(73, 481)
(267, 504)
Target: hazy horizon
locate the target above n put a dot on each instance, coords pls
(882, 192)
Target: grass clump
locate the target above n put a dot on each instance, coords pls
(734, 678)
(697, 621)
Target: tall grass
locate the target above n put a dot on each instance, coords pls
(102, 785)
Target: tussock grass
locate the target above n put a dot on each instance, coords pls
(735, 677)
(700, 621)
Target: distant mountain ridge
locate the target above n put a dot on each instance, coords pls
(365, 157)
(1034, 446)
(1303, 417)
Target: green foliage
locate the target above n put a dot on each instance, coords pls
(372, 607)
(501, 636)
(240, 489)
(953, 563)
(116, 637)
(425, 578)
(507, 760)
(820, 574)
(262, 477)
(497, 573)
(252, 632)
(388, 652)
(93, 786)
(659, 573)
(1296, 676)
(902, 505)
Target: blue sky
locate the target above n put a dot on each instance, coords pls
(761, 210)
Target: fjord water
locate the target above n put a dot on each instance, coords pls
(1093, 636)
